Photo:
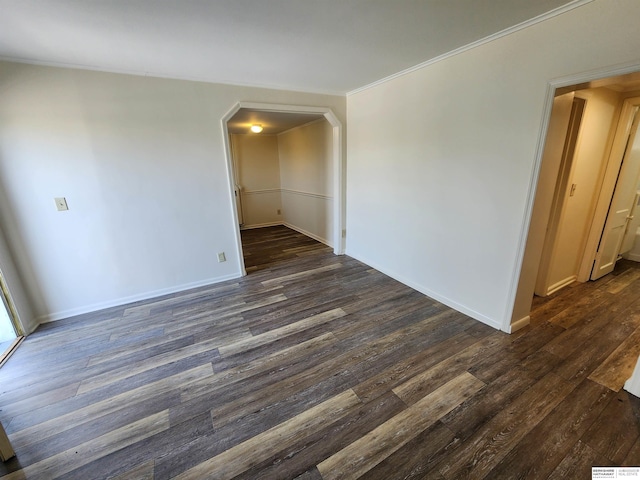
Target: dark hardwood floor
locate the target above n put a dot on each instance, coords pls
(316, 366)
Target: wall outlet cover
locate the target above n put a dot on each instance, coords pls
(61, 204)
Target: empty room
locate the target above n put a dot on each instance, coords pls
(339, 239)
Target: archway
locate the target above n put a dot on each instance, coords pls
(338, 239)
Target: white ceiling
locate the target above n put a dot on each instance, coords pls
(329, 46)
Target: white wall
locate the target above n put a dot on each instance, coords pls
(306, 178)
(441, 160)
(258, 174)
(142, 164)
(19, 297)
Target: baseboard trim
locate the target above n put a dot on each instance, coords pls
(561, 284)
(119, 302)
(308, 234)
(519, 324)
(634, 257)
(429, 293)
(261, 225)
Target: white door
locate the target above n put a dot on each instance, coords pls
(621, 205)
(237, 189)
(238, 194)
(632, 227)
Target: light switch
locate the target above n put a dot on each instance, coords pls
(61, 204)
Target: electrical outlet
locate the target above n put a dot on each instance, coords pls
(61, 204)
(221, 257)
(279, 212)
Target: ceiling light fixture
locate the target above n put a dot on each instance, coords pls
(256, 128)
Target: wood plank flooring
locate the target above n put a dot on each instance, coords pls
(317, 367)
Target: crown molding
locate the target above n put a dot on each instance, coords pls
(140, 73)
(503, 33)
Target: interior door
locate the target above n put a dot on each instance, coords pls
(632, 227)
(237, 189)
(621, 206)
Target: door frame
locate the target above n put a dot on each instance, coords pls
(558, 207)
(529, 250)
(6, 302)
(339, 232)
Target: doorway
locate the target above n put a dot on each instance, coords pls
(598, 175)
(620, 224)
(560, 257)
(545, 178)
(301, 203)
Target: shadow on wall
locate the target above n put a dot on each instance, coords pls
(15, 249)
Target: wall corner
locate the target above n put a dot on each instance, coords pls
(518, 324)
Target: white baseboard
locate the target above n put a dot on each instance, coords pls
(260, 225)
(119, 302)
(308, 234)
(430, 293)
(635, 257)
(519, 324)
(561, 284)
(292, 227)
